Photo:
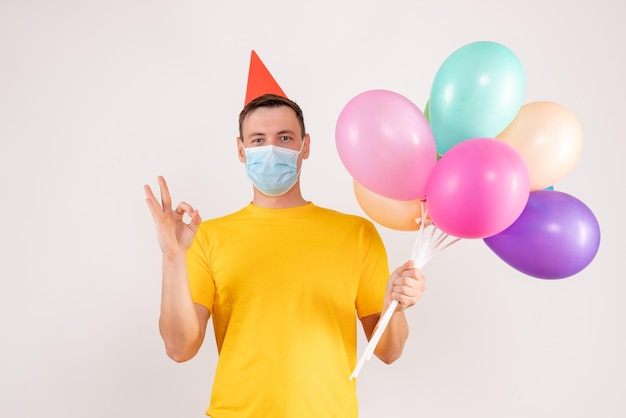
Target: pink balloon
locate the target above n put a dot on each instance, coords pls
(386, 144)
(478, 188)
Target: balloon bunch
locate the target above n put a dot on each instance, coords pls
(478, 163)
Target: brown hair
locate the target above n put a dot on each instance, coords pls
(270, 100)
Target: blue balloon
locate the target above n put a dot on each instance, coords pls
(556, 236)
(477, 92)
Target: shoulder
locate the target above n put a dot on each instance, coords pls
(217, 222)
(333, 212)
(344, 218)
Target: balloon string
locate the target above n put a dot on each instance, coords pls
(424, 249)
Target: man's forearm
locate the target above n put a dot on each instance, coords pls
(179, 324)
(392, 341)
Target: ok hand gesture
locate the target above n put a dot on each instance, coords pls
(175, 236)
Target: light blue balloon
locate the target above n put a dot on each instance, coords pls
(477, 92)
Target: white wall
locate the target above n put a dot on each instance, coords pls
(98, 98)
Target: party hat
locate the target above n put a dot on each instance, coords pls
(260, 81)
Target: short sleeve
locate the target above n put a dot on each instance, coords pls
(199, 272)
(374, 273)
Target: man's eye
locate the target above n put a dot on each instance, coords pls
(285, 138)
(256, 140)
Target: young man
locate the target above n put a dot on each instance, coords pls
(282, 280)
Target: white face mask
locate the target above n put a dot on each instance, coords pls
(272, 169)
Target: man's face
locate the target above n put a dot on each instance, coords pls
(277, 126)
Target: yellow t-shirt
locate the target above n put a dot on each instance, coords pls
(283, 286)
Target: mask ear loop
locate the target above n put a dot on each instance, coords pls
(300, 169)
(302, 146)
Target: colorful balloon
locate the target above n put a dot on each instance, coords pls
(400, 215)
(386, 144)
(476, 92)
(550, 140)
(478, 188)
(555, 237)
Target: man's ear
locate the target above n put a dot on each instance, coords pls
(307, 146)
(240, 150)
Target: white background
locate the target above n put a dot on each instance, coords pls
(98, 98)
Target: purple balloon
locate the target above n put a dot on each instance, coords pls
(556, 236)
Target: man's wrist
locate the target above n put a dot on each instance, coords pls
(174, 257)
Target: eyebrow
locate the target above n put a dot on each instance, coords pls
(284, 131)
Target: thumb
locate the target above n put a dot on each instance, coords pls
(407, 265)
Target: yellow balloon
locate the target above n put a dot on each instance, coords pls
(394, 214)
(549, 139)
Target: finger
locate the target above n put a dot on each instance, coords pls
(407, 265)
(407, 297)
(153, 204)
(154, 208)
(410, 281)
(196, 220)
(166, 199)
(413, 273)
(410, 278)
(403, 301)
(398, 271)
(406, 291)
(184, 207)
(148, 190)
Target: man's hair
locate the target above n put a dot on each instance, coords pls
(270, 100)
